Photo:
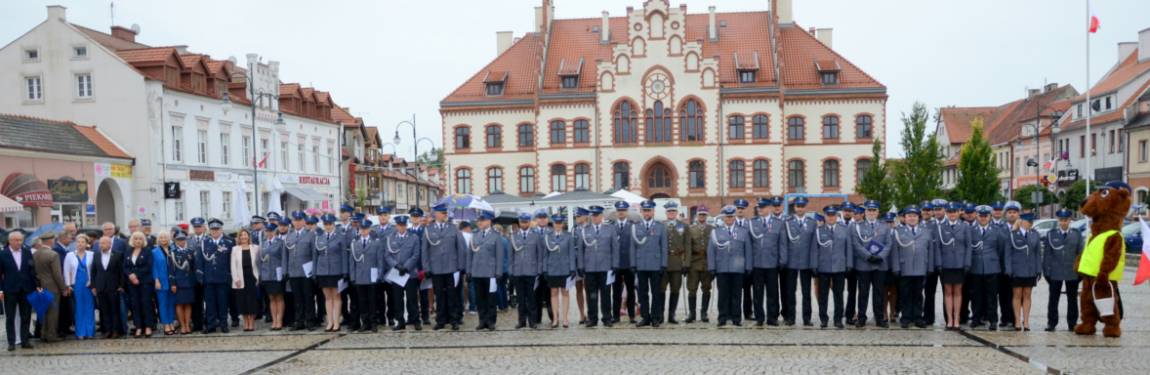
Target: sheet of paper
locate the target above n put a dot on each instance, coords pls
(374, 275)
(536, 286)
(308, 268)
(394, 278)
(426, 284)
(456, 276)
(610, 277)
(494, 286)
(341, 285)
(279, 274)
(571, 282)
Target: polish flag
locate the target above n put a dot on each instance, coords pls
(1093, 19)
(1144, 265)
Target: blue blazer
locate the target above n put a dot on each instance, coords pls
(18, 280)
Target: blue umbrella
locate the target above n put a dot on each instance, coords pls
(41, 301)
(46, 228)
(464, 206)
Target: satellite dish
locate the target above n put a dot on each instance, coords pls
(136, 28)
(232, 59)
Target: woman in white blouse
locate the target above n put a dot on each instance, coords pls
(77, 273)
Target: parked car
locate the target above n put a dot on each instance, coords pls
(1044, 225)
(1132, 234)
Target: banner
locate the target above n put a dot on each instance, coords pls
(67, 190)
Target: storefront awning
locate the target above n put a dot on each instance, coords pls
(305, 194)
(8, 205)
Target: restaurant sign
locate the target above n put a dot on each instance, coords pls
(68, 190)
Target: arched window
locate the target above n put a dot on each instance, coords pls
(463, 181)
(696, 175)
(494, 180)
(526, 180)
(658, 124)
(620, 175)
(582, 132)
(463, 138)
(796, 174)
(830, 127)
(861, 168)
(526, 134)
(759, 128)
(659, 177)
(761, 174)
(735, 127)
(625, 123)
(582, 176)
(558, 133)
(559, 177)
(795, 129)
(494, 136)
(691, 122)
(738, 176)
(831, 173)
(864, 126)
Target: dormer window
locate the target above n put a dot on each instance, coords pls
(746, 76)
(494, 83)
(830, 78)
(828, 72)
(495, 89)
(570, 82)
(569, 74)
(747, 67)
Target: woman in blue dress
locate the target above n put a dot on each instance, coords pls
(77, 272)
(184, 281)
(165, 291)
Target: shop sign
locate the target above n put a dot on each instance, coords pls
(67, 190)
(312, 180)
(198, 175)
(112, 170)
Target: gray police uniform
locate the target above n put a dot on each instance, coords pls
(1062, 249)
(330, 258)
(365, 269)
(870, 258)
(798, 234)
(954, 255)
(729, 258)
(988, 249)
(831, 259)
(770, 253)
(914, 252)
(625, 278)
(444, 253)
(526, 266)
(273, 265)
(649, 254)
(1024, 258)
(401, 252)
(484, 263)
(598, 249)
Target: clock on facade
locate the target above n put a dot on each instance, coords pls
(657, 86)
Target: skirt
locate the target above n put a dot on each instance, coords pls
(185, 295)
(1023, 282)
(328, 281)
(953, 276)
(273, 288)
(556, 281)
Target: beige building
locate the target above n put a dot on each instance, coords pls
(706, 107)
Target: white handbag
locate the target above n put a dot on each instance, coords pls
(1105, 306)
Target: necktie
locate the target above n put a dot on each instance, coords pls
(363, 243)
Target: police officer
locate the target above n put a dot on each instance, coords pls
(365, 263)
(598, 252)
(526, 267)
(870, 259)
(678, 246)
(541, 230)
(560, 265)
(697, 273)
(256, 229)
(799, 231)
(831, 258)
(444, 252)
(743, 220)
(729, 256)
(402, 255)
(581, 220)
(272, 265)
(767, 242)
(214, 268)
(1024, 260)
(195, 246)
(484, 265)
(624, 277)
(649, 257)
(914, 256)
(1063, 246)
(1011, 211)
(146, 228)
(330, 268)
(300, 244)
(851, 274)
(931, 220)
(987, 248)
(953, 261)
(381, 231)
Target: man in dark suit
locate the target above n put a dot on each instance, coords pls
(107, 279)
(18, 275)
(117, 243)
(60, 246)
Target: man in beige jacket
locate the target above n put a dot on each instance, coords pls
(50, 274)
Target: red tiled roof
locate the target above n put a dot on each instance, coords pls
(1127, 70)
(957, 121)
(149, 56)
(519, 59)
(109, 41)
(308, 94)
(800, 52)
(340, 114)
(100, 140)
(746, 33)
(572, 40)
(1114, 115)
(290, 89)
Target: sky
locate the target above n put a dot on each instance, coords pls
(392, 60)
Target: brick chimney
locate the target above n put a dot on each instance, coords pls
(123, 33)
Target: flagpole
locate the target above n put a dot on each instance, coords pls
(1089, 108)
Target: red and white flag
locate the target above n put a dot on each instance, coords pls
(1144, 264)
(1094, 24)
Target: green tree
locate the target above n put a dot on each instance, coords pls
(433, 158)
(1075, 196)
(919, 176)
(1023, 196)
(977, 169)
(875, 183)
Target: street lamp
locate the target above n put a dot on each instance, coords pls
(258, 98)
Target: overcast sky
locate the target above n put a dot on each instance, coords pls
(390, 59)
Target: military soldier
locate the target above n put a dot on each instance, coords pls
(526, 267)
(214, 269)
(624, 277)
(1063, 245)
(799, 231)
(729, 256)
(402, 254)
(831, 258)
(953, 261)
(870, 259)
(697, 272)
(649, 257)
(365, 262)
(484, 265)
(598, 250)
(767, 241)
(913, 249)
(300, 244)
(678, 246)
(444, 250)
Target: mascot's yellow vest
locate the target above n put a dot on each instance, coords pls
(1091, 261)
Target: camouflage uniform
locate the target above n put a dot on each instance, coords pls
(678, 246)
(697, 270)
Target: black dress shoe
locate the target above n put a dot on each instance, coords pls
(839, 325)
(608, 324)
(722, 324)
(437, 327)
(418, 327)
(851, 321)
(1050, 328)
(454, 326)
(860, 324)
(672, 321)
(26, 345)
(904, 325)
(921, 325)
(11, 348)
(655, 324)
(808, 324)
(993, 327)
(533, 325)
(520, 325)
(224, 329)
(758, 324)
(399, 327)
(591, 324)
(883, 324)
(773, 323)
(823, 325)
(737, 323)
(643, 323)
(789, 323)
(209, 330)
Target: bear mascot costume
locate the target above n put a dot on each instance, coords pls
(1103, 260)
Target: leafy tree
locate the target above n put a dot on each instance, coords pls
(1075, 196)
(919, 176)
(432, 158)
(1023, 195)
(977, 168)
(875, 183)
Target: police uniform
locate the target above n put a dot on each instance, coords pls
(300, 245)
(381, 232)
(678, 246)
(444, 252)
(195, 246)
(870, 258)
(624, 277)
(272, 263)
(799, 233)
(952, 240)
(365, 269)
(767, 241)
(729, 256)
(987, 248)
(831, 258)
(484, 265)
(697, 273)
(330, 256)
(213, 266)
(913, 252)
(742, 221)
(1005, 290)
(402, 254)
(1062, 248)
(649, 257)
(526, 267)
(598, 250)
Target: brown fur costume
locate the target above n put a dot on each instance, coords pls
(1106, 211)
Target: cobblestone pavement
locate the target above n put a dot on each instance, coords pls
(695, 348)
